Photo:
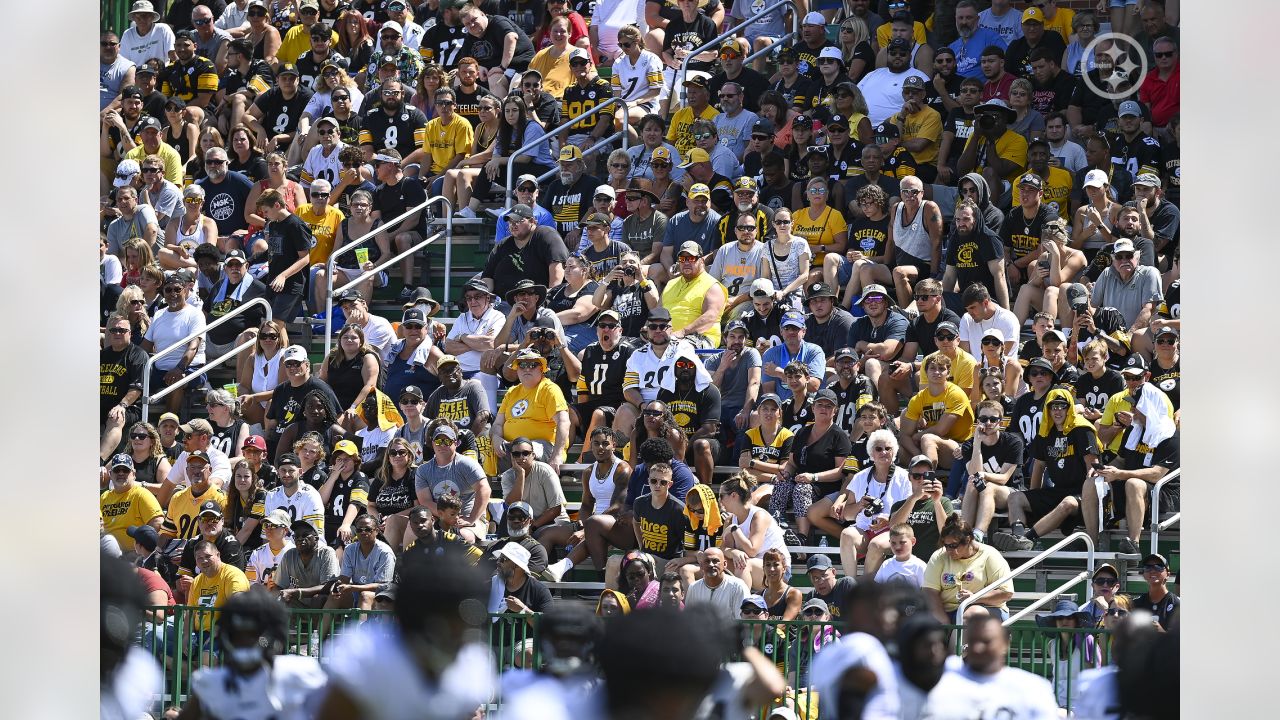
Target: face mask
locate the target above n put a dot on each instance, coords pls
(245, 658)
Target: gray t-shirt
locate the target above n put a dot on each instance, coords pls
(379, 566)
(209, 49)
(771, 25)
(1128, 298)
(110, 80)
(460, 477)
(291, 572)
(736, 268)
(121, 229)
(682, 229)
(460, 407)
(544, 317)
(167, 203)
(734, 132)
(541, 489)
(733, 390)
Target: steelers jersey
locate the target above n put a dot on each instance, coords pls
(309, 68)
(186, 80)
(258, 79)
(318, 166)
(802, 94)
(645, 370)
(280, 115)
(578, 100)
(1140, 155)
(352, 491)
(444, 43)
(603, 374)
(851, 401)
(796, 415)
(304, 505)
(184, 508)
(1171, 305)
(405, 131)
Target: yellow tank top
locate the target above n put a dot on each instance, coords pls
(684, 298)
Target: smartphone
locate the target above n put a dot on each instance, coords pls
(1098, 466)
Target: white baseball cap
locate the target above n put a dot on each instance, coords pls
(1096, 178)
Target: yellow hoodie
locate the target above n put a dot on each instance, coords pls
(1072, 420)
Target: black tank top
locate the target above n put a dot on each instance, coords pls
(181, 143)
(777, 609)
(346, 379)
(145, 472)
(225, 437)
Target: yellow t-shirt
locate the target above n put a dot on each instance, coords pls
(885, 30)
(684, 298)
(1120, 403)
(122, 510)
(947, 576)
(183, 509)
(1061, 22)
(444, 142)
(531, 413)
(927, 409)
(173, 163)
(297, 40)
(214, 591)
(1011, 146)
(962, 368)
(556, 75)
(818, 231)
(678, 133)
(925, 124)
(323, 227)
(1057, 190)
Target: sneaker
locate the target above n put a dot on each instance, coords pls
(466, 212)
(494, 213)
(1005, 541)
(1127, 547)
(407, 293)
(555, 571)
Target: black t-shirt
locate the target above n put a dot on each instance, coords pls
(1027, 411)
(851, 399)
(800, 94)
(1064, 457)
(835, 598)
(920, 331)
(857, 182)
(286, 401)
(1009, 448)
(255, 168)
(402, 130)
(287, 240)
(1016, 58)
(221, 303)
(821, 455)
(1022, 236)
(767, 327)
(1094, 392)
(661, 529)
(569, 204)
(925, 524)
(225, 201)
(959, 123)
(753, 85)
(393, 200)
(629, 303)
(117, 373)
(487, 49)
(391, 496)
(309, 68)
(1163, 610)
(602, 373)
(775, 197)
(1053, 96)
(934, 100)
(831, 335)
(233, 80)
(797, 413)
(1136, 155)
(346, 378)
(1169, 380)
(691, 408)
(228, 547)
(533, 593)
(508, 264)
(468, 104)
(1167, 454)
(280, 114)
(1108, 320)
(869, 236)
(351, 491)
(108, 298)
(683, 35)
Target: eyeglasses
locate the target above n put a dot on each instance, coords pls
(989, 419)
(1117, 612)
(105, 43)
(781, 222)
(397, 453)
(1167, 341)
(1059, 407)
(922, 298)
(991, 341)
(918, 475)
(146, 170)
(315, 194)
(528, 365)
(1106, 581)
(521, 453)
(812, 612)
(119, 331)
(745, 227)
(137, 302)
(443, 440)
(751, 610)
(292, 363)
(626, 45)
(172, 290)
(598, 198)
(516, 517)
(660, 164)
(882, 448)
(659, 483)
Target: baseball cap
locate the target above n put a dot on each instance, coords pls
(327, 120)
(605, 190)
(696, 155)
(346, 296)
(279, 516)
(569, 153)
(698, 189)
(887, 131)
(689, 247)
(579, 54)
(1135, 364)
(210, 507)
(145, 536)
(1147, 179)
(660, 153)
(696, 79)
(302, 527)
(520, 211)
(1031, 179)
(604, 314)
(788, 53)
(596, 218)
(1042, 364)
(1122, 245)
(827, 395)
(744, 183)
(815, 603)
(522, 506)
(762, 287)
(831, 53)
(1168, 330)
(769, 397)
(233, 255)
(947, 326)
(1077, 296)
(913, 82)
(445, 431)
(1054, 333)
(920, 459)
(348, 447)
(391, 25)
(287, 69)
(168, 417)
(121, 460)
(818, 562)
(526, 178)
(414, 315)
(763, 126)
(846, 352)
(995, 333)
(1157, 557)
(755, 600)
(443, 361)
(255, 441)
(814, 18)
(818, 290)
(1129, 108)
(294, 352)
(197, 425)
(1096, 178)
(126, 171)
(898, 44)
(1033, 14)
(200, 455)
(792, 318)
(131, 91)
(288, 459)
(735, 326)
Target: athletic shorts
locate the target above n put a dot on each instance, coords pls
(923, 270)
(1042, 502)
(715, 450)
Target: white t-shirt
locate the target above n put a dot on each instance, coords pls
(864, 483)
(489, 323)
(726, 598)
(1010, 694)
(882, 89)
(633, 80)
(856, 650)
(169, 327)
(262, 559)
(894, 569)
(110, 270)
(141, 48)
(1005, 321)
(220, 472)
(378, 333)
(610, 16)
(374, 668)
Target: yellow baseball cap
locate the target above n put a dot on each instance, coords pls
(1033, 14)
(699, 189)
(696, 155)
(348, 447)
(569, 153)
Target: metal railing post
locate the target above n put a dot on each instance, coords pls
(1156, 525)
(147, 398)
(684, 64)
(351, 246)
(1033, 562)
(511, 160)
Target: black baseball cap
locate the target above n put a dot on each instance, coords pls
(660, 313)
(288, 459)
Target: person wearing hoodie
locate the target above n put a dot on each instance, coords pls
(1065, 449)
(704, 521)
(974, 254)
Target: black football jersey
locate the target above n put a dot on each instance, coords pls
(578, 99)
(405, 131)
(279, 114)
(601, 378)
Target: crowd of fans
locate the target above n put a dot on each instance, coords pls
(908, 273)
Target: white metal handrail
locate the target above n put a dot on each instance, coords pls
(384, 227)
(1051, 595)
(1156, 525)
(511, 159)
(328, 333)
(1033, 562)
(148, 398)
(795, 32)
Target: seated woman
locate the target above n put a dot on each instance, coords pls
(766, 448)
(749, 533)
(869, 257)
(868, 497)
(318, 416)
(352, 370)
(782, 598)
(964, 567)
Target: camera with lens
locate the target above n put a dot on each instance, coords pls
(986, 121)
(873, 508)
(628, 271)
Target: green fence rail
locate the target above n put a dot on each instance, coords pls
(180, 638)
(114, 15)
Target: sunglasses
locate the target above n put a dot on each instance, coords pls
(1058, 407)
(659, 483)
(119, 331)
(989, 419)
(397, 453)
(660, 164)
(991, 341)
(269, 336)
(944, 337)
(445, 440)
(517, 517)
(319, 194)
(528, 365)
(1117, 612)
(659, 326)
(626, 45)
(172, 290)
(366, 530)
(292, 363)
(139, 436)
(1106, 582)
(146, 170)
(751, 610)
(411, 326)
(607, 326)
(343, 98)
(1153, 567)
(215, 161)
(781, 222)
(955, 545)
(1167, 341)
(745, 227)
(521, 453)
(922, 298)
(1164, 54)
(1123, 256)
(652, 413)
